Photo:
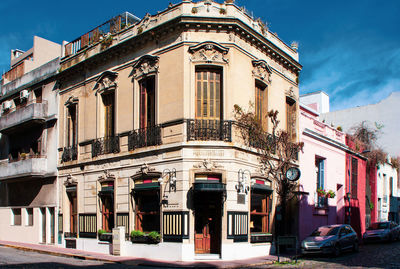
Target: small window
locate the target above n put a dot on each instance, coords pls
(16, 216)
(29, 217)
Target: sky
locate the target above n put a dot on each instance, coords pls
(348, 48)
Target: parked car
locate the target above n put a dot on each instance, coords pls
(382, 231)
(330, 239)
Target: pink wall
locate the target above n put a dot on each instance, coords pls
(325, 142)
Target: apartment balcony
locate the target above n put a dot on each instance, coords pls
(23, 116)
(28, 167)
(105, 145)
(144, 137)
(209, 130)
(69, 154)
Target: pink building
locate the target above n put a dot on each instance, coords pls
(323, 166)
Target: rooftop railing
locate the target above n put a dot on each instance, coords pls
(112, 26)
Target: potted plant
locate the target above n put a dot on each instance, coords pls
(321, 192)
(138, 237)
(330, 194)
(104, 235)
(153, 237)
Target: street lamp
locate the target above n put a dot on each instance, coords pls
(243, 177)
(171, 177)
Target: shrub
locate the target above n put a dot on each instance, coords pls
(135, 233)
(154, 235)
(101, 231)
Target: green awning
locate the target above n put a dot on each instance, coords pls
(260, 188)
(206, 186)
(109, 190)
(146, 186)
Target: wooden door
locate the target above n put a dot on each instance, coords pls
(108, 213)
(52, 226)
(202, 235)
(73, 214)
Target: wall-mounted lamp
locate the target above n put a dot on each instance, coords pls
(171, 177)
(244, 176)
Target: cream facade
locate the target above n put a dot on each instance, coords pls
(28, 145)
(148, 140)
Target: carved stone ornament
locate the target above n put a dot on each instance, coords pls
(208, 165)
(105, 82)
(146, 65)
(290, 93)
(70, 181)
(146, 172)
(262, 70)
(71, 101)
(106, 177)
(209, 52)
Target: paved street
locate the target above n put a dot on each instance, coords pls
(370, 256)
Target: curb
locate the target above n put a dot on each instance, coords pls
(68, 255)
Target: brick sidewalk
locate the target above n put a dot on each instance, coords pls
(74, 253)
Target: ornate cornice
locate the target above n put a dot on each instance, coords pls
(71, 101)
(209, 52)
(107, 177)
(70, 181)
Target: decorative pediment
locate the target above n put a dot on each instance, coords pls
(105, 82)
(71, 101)
(146, 65)
(209, 52)
(291, 94)
(262, 70)
(208, 165)
(70, 181)
(146, 172)
(106, 177)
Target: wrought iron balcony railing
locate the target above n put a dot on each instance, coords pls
(144, 137)
(69, 153)
(105, 145)
(209, 130)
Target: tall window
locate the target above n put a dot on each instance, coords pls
(147, 105)
(72, 125)
(29, 217)
(259, 213)
(260, 109)
(148, 211)
(320, 171)
(291, 117)
(354, 177)
(208, 94)
(38, 95)
(109, 114)
(16, 213)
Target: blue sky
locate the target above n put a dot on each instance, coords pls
(350, 49)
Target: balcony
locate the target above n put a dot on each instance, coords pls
(145, 137)
(209, 130)
(105, 145)
(29, 114)
(69, 154)
(30, 167)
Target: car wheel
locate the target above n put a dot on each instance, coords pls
(336, 250)
(355, 247)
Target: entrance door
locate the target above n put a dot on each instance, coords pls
(73, 213)
(52, 228)
(208, 223)
(43, 221)
(108, 213)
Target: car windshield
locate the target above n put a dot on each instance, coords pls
(379, 226)
(325, 231)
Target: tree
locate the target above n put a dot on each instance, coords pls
(276, 150)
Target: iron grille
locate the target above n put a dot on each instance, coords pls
(209, 130)
(105, 145)
(144, 137)
(69, 153)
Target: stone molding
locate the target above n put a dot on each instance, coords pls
(145, 65)
(262, 71)
(209, 52)
(105, 82)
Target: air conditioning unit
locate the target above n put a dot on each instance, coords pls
(24, 94)
(6, 105)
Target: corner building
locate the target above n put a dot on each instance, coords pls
(147, 136)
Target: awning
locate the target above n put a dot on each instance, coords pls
(146, 186)
(260, 188)
(109, 190)
(207, 186)
(71, 189)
